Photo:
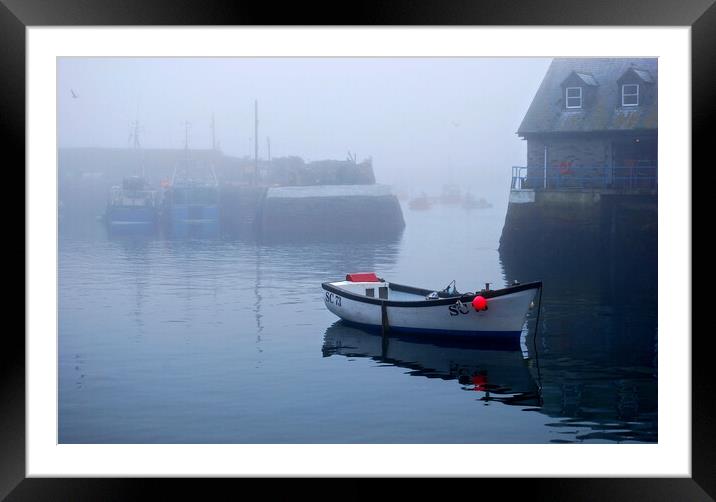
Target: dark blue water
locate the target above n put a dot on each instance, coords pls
(228, 341)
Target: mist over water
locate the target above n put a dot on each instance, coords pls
(424, 121)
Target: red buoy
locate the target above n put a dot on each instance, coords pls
(480, 303)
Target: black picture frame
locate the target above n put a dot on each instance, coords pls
(16, 15)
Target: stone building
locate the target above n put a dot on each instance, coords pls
(593, 124)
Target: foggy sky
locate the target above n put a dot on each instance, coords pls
(424, 121)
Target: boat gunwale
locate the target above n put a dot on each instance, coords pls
(492, 293)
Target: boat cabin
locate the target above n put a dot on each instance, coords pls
(134, 191)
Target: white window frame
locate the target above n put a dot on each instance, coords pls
(624, 93)
(567, 97)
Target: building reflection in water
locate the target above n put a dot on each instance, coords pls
(597, 338)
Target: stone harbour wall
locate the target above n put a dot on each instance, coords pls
(330, 212)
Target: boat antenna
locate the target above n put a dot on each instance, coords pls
(256, 141)
(186, 143)
(134, 137)
(137, 145)
(213, 133)
(186, 153)
(135, 134)
(213, 148)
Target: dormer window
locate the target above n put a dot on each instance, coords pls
(573, 97)
(579, 91)
(630, 95)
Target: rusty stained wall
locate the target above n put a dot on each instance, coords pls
(563, 153)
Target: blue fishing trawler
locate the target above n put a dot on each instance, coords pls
(133, 206)
(193, 208)
(191, 201)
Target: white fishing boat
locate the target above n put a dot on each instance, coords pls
(365, 300)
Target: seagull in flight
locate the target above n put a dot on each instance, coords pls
(74, 94)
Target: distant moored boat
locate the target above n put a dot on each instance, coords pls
(191, 206)
(451, 195)
(420, 203)
(470, 202)
(132, 206)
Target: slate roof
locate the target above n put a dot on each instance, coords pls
(587, 78)
(547, 114)
(644, 75)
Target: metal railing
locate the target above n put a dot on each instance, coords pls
(618, 178)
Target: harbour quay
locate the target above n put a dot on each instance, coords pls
(589, 189)
(268, 199)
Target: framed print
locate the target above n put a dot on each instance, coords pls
(428, 244)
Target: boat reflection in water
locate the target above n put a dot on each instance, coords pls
(194, 230)
(500, 370)
(598, 337)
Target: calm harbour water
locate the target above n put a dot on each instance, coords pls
(226, 341)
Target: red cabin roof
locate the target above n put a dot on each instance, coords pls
(362, 277)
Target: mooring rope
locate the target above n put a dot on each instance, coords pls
(385, 325)
(534, 343)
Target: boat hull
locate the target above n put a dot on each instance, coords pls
(504, 317)
(131, 219)
(196, 221)
(196, 214)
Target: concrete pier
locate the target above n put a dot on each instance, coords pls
(240, 207)
(330, 212)
(580, 237)
(599, 220)
(325, 212)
